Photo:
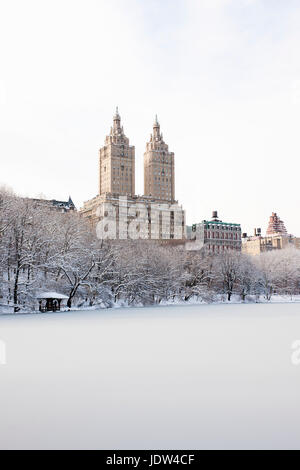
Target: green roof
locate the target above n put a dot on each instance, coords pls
(219, 222)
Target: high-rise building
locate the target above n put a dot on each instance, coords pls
(117, 209)
(117, 162)
(159, 167)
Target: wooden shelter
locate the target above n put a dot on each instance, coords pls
(50, 301)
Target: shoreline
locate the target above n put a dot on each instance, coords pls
(191, 302)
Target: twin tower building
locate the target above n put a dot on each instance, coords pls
(155, 215)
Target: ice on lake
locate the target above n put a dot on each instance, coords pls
(192, 377)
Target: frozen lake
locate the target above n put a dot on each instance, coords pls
(193, 377)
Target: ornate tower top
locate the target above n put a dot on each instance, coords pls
(117, 129)
(117, 115)
(157, 136)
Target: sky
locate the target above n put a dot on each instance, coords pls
(222, 75)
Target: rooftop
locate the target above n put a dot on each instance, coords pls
(219, 222)
(52, 295)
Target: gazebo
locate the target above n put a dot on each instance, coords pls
(50, 301)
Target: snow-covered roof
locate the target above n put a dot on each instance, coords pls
(51, 295)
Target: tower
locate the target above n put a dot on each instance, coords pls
(276, 226)
(117, 162)
(159, 169)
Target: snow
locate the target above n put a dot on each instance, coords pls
(235, 299)
(52, 295)
(192, 377)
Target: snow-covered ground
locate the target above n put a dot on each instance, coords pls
(192, 377)
(217, 299)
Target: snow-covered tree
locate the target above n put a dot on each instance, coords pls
(42, 249)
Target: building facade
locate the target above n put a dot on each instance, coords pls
(256, 244)
(117, 212)
(117, 162)
(159, 167)
(216, 236)
(138, 217)
(277, 238)
(53, 204)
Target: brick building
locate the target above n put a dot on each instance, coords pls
(215, 236)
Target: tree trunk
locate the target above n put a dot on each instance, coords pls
(16, 309)
(72, 295)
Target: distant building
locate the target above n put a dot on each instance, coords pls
(276, 226)
(153, 216)
(53, 204)
(277, 238)
(256, 244)
(215, 236)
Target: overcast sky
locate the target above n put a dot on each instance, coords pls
(222, 75)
